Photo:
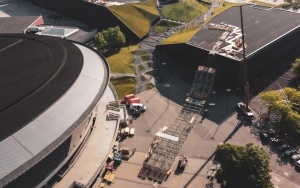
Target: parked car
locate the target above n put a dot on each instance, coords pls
(272, 132)
(204, 113)
(284, 147)
(297, 163)
(264, 136)
(295, 158)
(277, 141)
(288, 153)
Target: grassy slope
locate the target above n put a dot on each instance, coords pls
(185, 35)
(137, 17)
(123, 61)
(181, 36)
(265, 4)
(161, 26)
(150, 6)
(186, 10)
(124, 86)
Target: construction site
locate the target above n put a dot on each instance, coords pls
(169, 140)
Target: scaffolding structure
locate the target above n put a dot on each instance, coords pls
(163, 151)
(203, 83)
(274, 118)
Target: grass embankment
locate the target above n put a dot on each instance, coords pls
(181, 36)
(145, 56)
(264, 4)
(186, 34)
(122, 61)
(124, 86)
(163, 25)
(137, 16)
(184, 11)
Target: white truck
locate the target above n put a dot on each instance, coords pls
(137, 107)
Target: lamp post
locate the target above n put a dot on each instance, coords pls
(164, 71)
(167, 86)
(228, 92)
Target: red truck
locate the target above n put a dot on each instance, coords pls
(129, 99)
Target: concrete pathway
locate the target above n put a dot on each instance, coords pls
(96, 150)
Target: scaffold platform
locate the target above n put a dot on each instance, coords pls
(167, 145)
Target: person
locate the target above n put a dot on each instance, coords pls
(133, 151)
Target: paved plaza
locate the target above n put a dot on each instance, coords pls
(221, 125)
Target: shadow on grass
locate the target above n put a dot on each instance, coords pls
(110, 52)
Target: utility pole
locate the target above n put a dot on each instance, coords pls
(246, 83)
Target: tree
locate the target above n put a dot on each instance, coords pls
(110, 38)
(243, 166)
(100, 42)
(287, 102)
(270, 98)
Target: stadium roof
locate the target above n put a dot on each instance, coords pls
(48, 94)
(262, 26)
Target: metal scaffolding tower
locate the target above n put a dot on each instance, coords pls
(203, 83)
(164, 150)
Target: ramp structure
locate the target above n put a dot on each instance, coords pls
(166, 145)
(203, 83)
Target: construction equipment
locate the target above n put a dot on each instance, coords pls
(127, 97)
(133, 100)
(247, 112)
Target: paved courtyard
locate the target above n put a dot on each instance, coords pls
(221, 125)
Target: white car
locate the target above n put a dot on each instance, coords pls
(295, 158)
(297, 163)
(137, 107)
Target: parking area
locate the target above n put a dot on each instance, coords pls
(222, 124)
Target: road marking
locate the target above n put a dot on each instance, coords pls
(277, 179)
(285, 173)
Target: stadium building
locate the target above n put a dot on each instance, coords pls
(270, 35)
(49, 88)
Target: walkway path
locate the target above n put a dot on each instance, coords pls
(159, 62)
(96, 150)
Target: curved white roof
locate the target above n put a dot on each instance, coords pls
(52, 126)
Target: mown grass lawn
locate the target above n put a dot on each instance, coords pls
(163, 25)
(184, 11)
(137, 17)
(124, 86)
(123, 61)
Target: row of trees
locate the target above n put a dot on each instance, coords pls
(287, 102)
(243, 166)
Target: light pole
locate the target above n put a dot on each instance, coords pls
(164, 71)
(167, 86)
(228, 92)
